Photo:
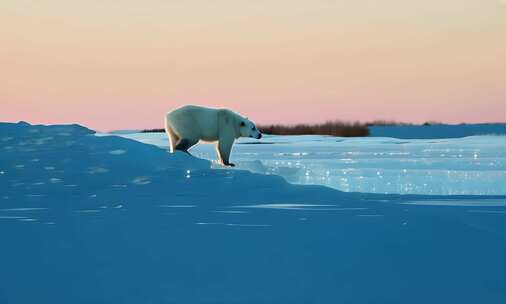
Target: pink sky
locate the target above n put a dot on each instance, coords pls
(123, 64)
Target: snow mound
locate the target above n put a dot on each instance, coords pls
(90, 219)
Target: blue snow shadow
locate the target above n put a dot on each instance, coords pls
(85, 219)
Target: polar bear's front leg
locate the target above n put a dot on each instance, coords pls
(223, 148)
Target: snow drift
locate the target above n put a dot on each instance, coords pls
(87, 219)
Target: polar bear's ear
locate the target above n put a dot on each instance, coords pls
(242, 124)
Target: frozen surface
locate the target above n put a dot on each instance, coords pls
(472, 165)
(88, 219)
(438, 130)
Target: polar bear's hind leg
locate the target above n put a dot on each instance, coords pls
(184, 144)
(173, 138)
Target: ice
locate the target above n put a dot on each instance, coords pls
(438, 130)
(473, 165)
(285, 206)
(177, 206)
(23, 209)
(233, 224)
(248, 225)
(88, 211)
(117, 152)
(95, 170)
(231, 211)
(27, 220)
(306, 207)
(11, 217)
(457, 202)
(488, 211)
(247, 235)
(141, 180)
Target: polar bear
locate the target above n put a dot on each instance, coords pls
(190, 124)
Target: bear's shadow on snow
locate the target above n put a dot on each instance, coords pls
(256, 143)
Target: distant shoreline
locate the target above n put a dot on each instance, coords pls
(335, 128)
(381, 129)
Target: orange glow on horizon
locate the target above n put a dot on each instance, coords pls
(110, 66)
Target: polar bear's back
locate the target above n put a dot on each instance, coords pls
(194, 122)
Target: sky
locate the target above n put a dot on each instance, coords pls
(122, 64)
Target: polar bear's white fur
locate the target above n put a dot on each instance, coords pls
(190, 124)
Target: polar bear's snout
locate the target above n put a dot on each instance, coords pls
(249, 129)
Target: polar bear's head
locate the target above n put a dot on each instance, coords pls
(248, 129)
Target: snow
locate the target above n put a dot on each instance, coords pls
(155, 227)
(473, 165)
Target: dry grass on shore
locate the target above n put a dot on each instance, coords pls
(333, 128)
(153, 131)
